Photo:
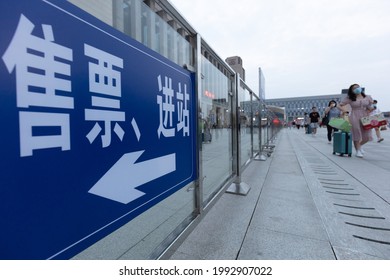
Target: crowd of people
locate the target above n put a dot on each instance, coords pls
(352, 108)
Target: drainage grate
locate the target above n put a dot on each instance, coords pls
(359, 219)
(334, 188)
(335, 184)
(369, 227)
(332, 180)
(362, 216)
(372, 240)
(325, 173)
(343, 193)
(354, 207)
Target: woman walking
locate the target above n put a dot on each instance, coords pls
(331, 112)
(361, 106)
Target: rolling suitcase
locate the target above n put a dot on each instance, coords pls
(309, 129)
(342, 143)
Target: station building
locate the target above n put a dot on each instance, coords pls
(295, 107)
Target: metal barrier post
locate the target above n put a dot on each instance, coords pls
(237, 187)
(261, 156)
(199, 183)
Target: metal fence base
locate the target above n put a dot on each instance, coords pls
(239, 188)
(260, 157)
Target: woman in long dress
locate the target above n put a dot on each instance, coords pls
(361, 106)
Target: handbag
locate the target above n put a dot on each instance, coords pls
(372, 121)
(341, 123)
(325, 120)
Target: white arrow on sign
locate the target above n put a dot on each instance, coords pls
(125, 175)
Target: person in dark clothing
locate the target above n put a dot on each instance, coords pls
(331, 112)
(314, 117)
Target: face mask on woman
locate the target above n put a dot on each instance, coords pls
(357, 90)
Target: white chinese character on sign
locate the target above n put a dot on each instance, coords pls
(105, 80)
(41, 71)
(166, 108)
(183, 113)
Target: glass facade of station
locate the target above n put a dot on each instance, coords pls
(233, 126)
(215, 127)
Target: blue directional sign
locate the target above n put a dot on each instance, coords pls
(95, 129)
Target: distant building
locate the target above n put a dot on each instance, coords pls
(295, 107)
(236, 63)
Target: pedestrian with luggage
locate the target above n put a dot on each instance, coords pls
(307, 123)
(314, 118)
(302, 121)
(331, 112)
(377, 129)
(361, 106)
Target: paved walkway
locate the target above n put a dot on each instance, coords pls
(304, 203)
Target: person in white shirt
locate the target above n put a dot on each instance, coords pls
(377, 129)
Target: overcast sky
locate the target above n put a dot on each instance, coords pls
(305, 47)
